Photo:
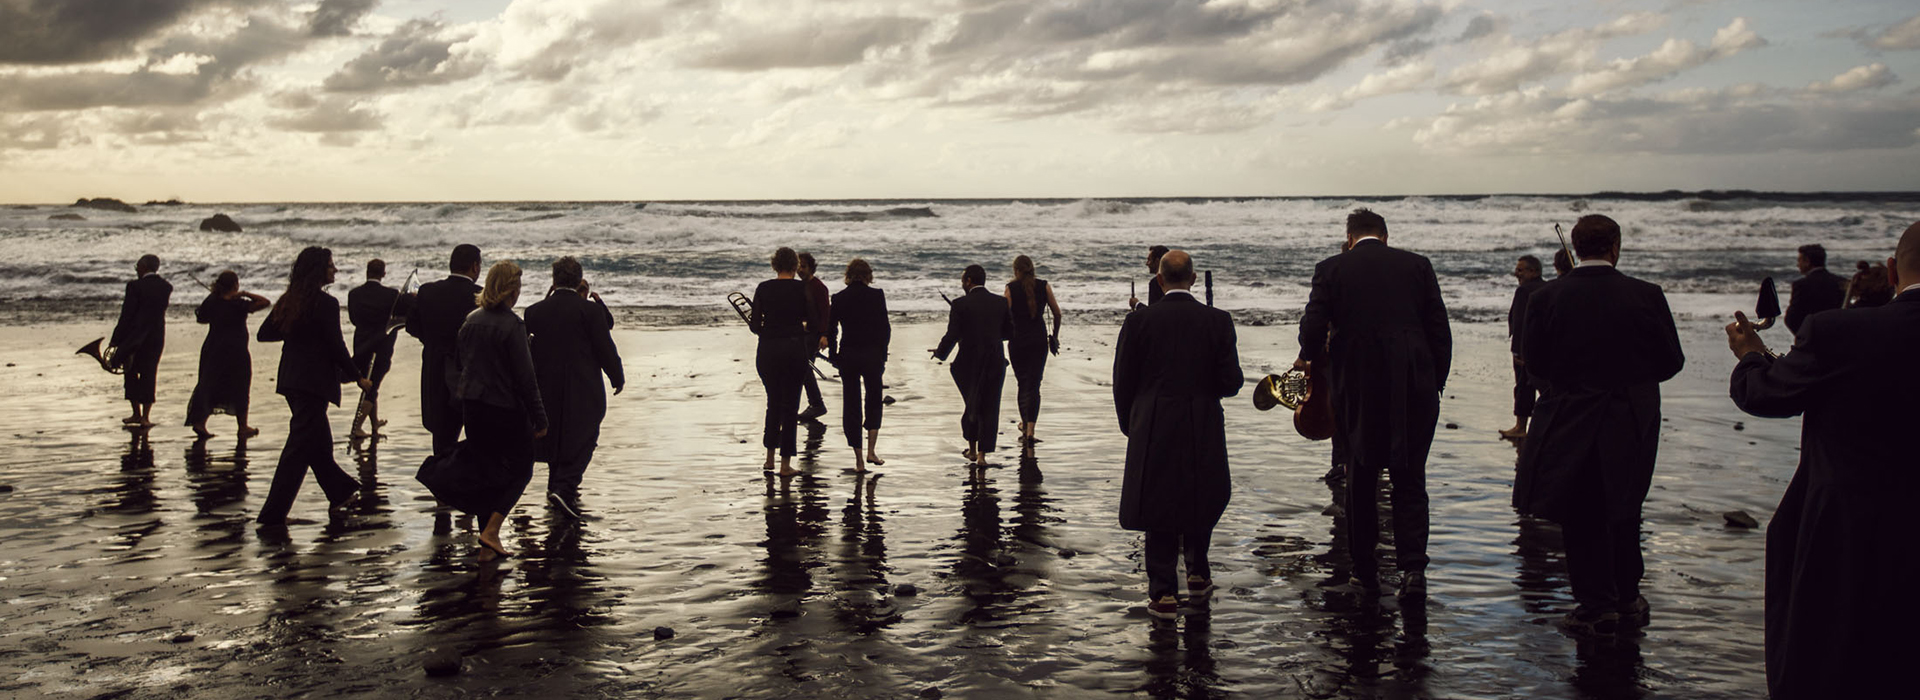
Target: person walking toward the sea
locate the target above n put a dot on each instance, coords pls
(1599, 343)
(977, 322)
(1376, 324)
(226, 366)
(784, 320)
(141, 336)
(313, 358)
(439, 309)
(499, 399)
(572, 346)
(1026, 295)
(858, 338)
(1841, 556)
(1817, 289)
(1154, 290)
(371, 308)
(1175, 360)
(820, 304)
(1527, 271)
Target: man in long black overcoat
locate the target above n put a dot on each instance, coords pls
(438, 311)
(141, 336)
(1600, 343)
(1388, 358)
(1841, 552)
(1176, 358)
(572, 346)
(979, 324)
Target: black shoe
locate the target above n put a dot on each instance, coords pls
(1369, 583)
(1413, 587)
(813, 412)
(566, 506)
(345, 505)
(1636, 613)
(1585, 621)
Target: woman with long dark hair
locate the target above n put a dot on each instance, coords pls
(226, 366)
(499, 399)
(313, 360)
(787, 328)
(861, 333)
(1028, 348)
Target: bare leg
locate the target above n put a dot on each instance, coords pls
(786, 466)
(769, 466)
(490, 538)
(200, 429)
(873, 439)
(135, 418)
(246, 431)
(146, 415)
(859, 461)
(979, 457)
(360, 414)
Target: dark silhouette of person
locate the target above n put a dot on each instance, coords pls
(140, 337)
(977, 323)
(858, 337)
(1599, 343)
(784, 320)
(1154, 290)
(821, 303)
(572, 346)
(499, 401)
(313, 361)
(1869, 286)
(1527, 271)
(1175, 360)
(1841, 560)
(1562, 263)
(1376, 323)
(439, 309)
(1817, 289)
(1027, 297)
(371, 308)
(226, 365)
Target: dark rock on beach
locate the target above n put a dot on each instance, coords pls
(662, 633)
(1739, 518)
(67, 217)
(220, 222)
(106, 204)
(443, 663)
(182, 638)
(906, 590)
(168, 203)
(6, 488)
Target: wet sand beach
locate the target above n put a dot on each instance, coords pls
(132, 568)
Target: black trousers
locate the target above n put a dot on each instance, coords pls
(812, 385)
(309, 446)
(504, 436)
(376, 360)
(980, 388)
(1524, 394)
(440, 413)
(1163, 551)
(1604, 565)
(1029, 356)
(857, 413)
(140, 367)
(1409, 496)
(782, 364)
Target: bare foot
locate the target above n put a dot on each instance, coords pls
(359, 434)
(490, 545)
(859, 463)
(248, 432)
(131, 420)
(202, 433)
(875, 459)
(769, 465)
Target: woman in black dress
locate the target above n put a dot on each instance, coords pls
(788, 331)
(1030, 344)
(226, 366)
(499, 399)
(313, 360)
(861, 332)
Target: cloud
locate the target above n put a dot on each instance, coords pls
(1866, 77)
(338, 17)
(1512, 64)
(414, 55)
(1904, 36)
(324, 115)
(820, 46)
(1404, 78)
(45, 32)
(1670, 59)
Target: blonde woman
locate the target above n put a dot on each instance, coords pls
(1027, 295)
(500, 400)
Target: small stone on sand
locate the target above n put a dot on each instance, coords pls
(1453, 426)
(660, 633)
(6, 488)
(1739, 426)
(906, 590)
(1739, 518)
(931, 693)
(181, 638)
(443, 663)
(888, 401)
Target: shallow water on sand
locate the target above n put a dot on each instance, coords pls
(132, 567)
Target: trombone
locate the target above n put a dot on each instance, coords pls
(744, 306)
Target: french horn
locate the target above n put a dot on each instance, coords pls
(1302, 392)
(105, 359)
(1290, 390)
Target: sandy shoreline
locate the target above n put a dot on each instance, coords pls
(1026, 584)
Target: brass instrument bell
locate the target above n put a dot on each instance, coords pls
(1289, 390)
(104, 358)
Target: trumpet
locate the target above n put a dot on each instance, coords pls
(107, 359)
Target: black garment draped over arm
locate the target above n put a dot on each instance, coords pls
(314, 359)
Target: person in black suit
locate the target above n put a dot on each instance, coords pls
(1841, 560)
(1175, 360)
(499, 401)
(1598, 343)
(1154, 290)
(572, 346)
(818, 298)
(1527, 270)
(858, 338)
(313, 360)
(1027, 295)
(977, 322)
(438, 311)
(141, 336)
(371, 308)
(226, 366)
(1376, 324)
(784, 320)
(1817, 289)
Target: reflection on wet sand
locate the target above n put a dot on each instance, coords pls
(1380, 652)
(219, 485)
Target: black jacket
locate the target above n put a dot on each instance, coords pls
(572, 346)
(1598, 343)
(315, 357)
(439, 309)
(496, 365)
(977, 322)
(860, 330)
(143, 315)
(1173, 363)
(1517, 313)
(1818, 291)
(370, 307)
(1838, 547)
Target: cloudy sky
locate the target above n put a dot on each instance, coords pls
(361, 100)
